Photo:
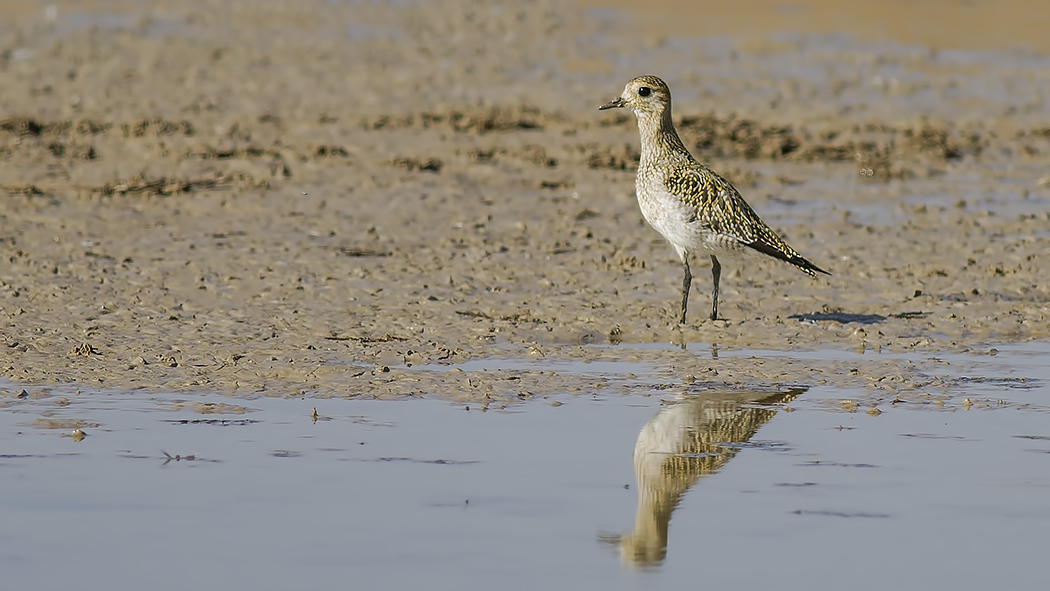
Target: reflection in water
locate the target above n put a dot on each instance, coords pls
(684, 441)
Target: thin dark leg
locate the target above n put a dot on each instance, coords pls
(716, 272)
(686, 282)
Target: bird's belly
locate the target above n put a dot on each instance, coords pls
(672, 218)
(676, 221)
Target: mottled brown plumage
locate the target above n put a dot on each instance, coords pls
(687, 202)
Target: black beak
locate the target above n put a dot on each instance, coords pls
(613, 104)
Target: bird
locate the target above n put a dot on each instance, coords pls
(693, 207)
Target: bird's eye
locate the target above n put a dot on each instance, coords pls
(644, 91)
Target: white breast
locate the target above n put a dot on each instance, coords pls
(670, 216)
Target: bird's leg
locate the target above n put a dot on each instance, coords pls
(716, 272)
(686, 282)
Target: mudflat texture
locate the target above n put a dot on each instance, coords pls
(353, 199)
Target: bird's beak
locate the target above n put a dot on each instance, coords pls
(613, 104)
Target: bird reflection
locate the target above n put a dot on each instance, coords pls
(691, 438)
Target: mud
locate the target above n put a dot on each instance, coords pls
(320, 199)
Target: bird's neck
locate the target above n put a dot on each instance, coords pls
(659, 137)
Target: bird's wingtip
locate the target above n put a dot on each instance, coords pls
(792, 258)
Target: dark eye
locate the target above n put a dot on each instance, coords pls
(644, 91)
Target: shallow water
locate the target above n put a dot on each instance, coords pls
(166, 492)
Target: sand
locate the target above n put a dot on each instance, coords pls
(354, 199)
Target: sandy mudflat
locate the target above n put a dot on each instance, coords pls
(277, 198)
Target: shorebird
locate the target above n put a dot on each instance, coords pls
(695, 209)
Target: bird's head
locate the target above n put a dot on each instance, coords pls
(644, 95)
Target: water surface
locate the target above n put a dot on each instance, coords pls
(592, 491)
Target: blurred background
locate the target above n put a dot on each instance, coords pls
(935, 24)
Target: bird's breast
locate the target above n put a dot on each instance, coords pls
(681, 224)
(669, 215)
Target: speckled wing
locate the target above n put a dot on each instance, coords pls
(721, 211)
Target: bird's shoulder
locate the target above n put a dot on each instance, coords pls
(697, 184)
(716, 204)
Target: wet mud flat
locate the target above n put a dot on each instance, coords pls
(353, 200)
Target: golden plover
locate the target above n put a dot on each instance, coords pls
(694, 208)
